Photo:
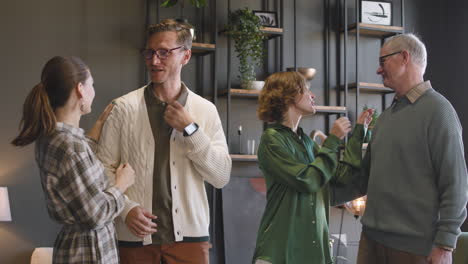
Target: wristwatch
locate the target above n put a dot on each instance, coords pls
(190, 129)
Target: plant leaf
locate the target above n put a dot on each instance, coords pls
(198, 3)
(245, 29)
(169, 3)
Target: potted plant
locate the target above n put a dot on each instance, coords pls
(375, 115)
(195, 3)
(245, 29)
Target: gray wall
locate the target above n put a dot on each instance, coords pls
(443, 28)
(108, 34)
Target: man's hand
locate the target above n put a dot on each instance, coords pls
(177, 116)
(440, 256)
(139, 222)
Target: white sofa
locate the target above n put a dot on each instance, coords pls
(42, 255)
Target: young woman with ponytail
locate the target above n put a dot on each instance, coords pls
(77, 191)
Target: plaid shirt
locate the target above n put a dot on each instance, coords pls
(78, 196)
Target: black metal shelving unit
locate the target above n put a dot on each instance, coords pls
(277, 34)
(360, 30)
(200, 49)
(271, 34)
(326, 109)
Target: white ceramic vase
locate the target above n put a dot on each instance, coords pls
(253, 85)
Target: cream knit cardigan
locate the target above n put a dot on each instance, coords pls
(204, 156)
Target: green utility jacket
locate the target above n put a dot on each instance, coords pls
(302, 180)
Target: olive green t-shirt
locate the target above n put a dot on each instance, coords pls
(162, 198)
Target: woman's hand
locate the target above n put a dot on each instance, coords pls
(341, 127)
(365, 118)
(124, 177)
(95, 131)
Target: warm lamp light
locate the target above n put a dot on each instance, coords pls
(5, 214)
(357, 206)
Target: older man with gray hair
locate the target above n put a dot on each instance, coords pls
(414, 169)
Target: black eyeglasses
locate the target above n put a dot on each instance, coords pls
(382, 59)
(161, 53)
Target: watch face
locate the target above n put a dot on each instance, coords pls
(190, 129)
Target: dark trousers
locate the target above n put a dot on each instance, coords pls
(372, 252)
(174, 253)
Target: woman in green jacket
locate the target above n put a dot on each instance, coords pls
(302, 178)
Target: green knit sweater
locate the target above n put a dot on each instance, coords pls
(417, 178)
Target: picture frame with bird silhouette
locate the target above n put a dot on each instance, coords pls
(267, 18)
(376, 12)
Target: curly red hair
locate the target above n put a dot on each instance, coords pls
(280, 91)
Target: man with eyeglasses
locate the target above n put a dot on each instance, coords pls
(414, 169)
(175, 142)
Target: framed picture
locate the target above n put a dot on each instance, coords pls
(267, 18)
(376, 12)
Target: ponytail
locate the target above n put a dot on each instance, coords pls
(38, 117)
(59, 77)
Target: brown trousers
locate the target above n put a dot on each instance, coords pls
(372, 252)
(174, 253)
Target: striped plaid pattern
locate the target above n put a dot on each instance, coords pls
(78, 196)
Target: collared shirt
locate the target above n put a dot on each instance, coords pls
(418, 90)
(301, 178)
(78, 196)
(414, 93)
(162, 198)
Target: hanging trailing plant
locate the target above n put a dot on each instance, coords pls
(195, 3)
(245, 29)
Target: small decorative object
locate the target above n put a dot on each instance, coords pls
(251, 147)
(239, 133)
(375, 115)
(5, 213)
(308, 73)
(378, 13)
(357, 206)
(267, 18)
(195, 3)
(254, 85)
(245, 29)
(190, 26)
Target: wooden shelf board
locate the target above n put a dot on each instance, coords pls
(203, 48)
(375, 30)
(241, 157)
(255, 94)
(272, 32)
(370, 87)
(330, 109)
(240, 93)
